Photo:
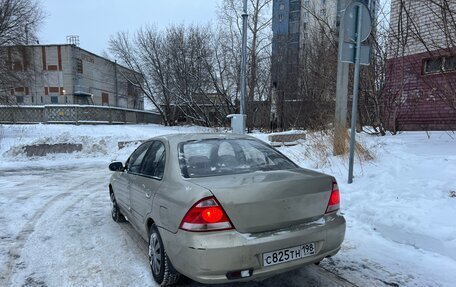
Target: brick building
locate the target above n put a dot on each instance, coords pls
(421, 67)
(67, 74)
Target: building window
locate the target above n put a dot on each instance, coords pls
(449, 64)
(305, 15)
(438, 65)
(17, 66)
(79, 67)
(282, 7)
(54, 99)
(304, 26)
(280, 17)
(306, 3)
(295, 16)
(295, 6)
(323, 12)
(433, 66)
(294, 27)
(323, 2)
(105, 99)
(20, 99)
(53, 89)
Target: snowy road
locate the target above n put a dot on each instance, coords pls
(64, 235)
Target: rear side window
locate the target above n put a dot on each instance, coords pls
(214, 157)
(136, 158)
(154, 162)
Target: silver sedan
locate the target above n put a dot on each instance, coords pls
(223, 207)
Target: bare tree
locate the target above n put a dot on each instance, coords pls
(19, 22)
(184, 71)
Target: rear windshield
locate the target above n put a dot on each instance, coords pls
(212, 157)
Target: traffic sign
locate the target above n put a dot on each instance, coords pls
(350, 22)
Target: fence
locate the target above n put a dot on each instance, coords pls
(75, 114)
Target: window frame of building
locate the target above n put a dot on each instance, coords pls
(452, 60)
(280, 17)
(294, 27)
(54, 99)
(20, 99)
(439, 65)
(323, 12)
(79, 66)
(305, 16)
(104, 99)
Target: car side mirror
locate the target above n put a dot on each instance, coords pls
(116, 166)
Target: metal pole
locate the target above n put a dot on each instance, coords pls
(244, 60)
(340, 119)
(355, 94)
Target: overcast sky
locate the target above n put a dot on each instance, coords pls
(96, 20)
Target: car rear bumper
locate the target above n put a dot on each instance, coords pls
(208, 257)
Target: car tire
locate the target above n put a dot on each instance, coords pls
(160, 265)
(116, 215)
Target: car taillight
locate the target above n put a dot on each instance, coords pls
(334, 199)
(206, 215)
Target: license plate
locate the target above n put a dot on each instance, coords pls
(288, 254)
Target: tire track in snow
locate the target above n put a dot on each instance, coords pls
(14, 252)
(24, 234)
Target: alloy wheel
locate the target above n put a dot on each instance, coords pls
(155, 253)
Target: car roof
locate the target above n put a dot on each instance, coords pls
(183, 137)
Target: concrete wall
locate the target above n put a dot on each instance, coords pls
(75, 114)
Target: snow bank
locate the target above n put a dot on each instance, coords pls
(100, 142)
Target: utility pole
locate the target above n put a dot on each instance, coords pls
(340, 119)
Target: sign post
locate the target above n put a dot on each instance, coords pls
(357, 28)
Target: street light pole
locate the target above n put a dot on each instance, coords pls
(244, 61)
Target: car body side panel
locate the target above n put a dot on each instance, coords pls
(119, 183)
(142, 191)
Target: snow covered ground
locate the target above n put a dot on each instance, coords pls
(56, 230)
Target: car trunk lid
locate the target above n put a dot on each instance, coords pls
(264, 201)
